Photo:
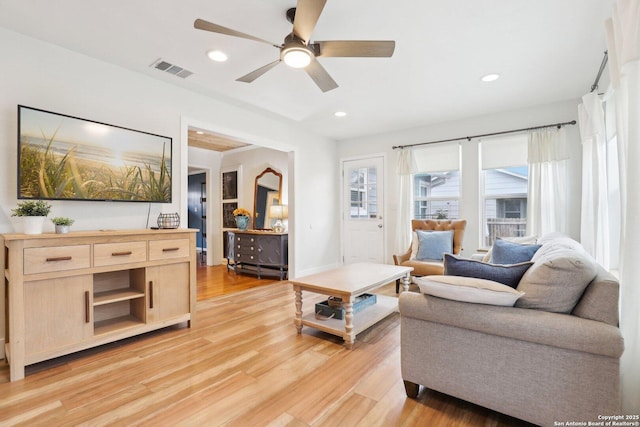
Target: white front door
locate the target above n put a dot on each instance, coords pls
(362, 204)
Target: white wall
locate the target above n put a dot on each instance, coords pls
(42, 75)
(470, 206)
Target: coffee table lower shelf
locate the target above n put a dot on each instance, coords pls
(362, 320)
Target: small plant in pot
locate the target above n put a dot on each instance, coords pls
(62, 224)
(33, 213)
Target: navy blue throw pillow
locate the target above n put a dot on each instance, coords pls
(505, 252)
(509, 275)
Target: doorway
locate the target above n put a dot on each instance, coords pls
(197, 211)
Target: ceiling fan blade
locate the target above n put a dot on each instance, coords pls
(257, 73)
(201, 24)
(320, 76)
(307, 14)
(353, 48)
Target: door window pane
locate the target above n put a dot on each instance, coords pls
(364, 201)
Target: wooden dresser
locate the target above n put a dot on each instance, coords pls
(70, 292)
(262, 253)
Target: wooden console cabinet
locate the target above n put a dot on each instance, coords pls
(262, 253)
(70, 292)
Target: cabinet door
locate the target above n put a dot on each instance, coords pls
(269, 249)
(167, 291)
(57, 313)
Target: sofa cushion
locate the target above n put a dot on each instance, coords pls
(468, 289)
(505, 252)
(506, 274)
(432, 244)
(522, 239)
(561, 272)
(424, 268)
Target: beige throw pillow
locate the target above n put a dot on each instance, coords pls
(555, 282)
(468, 289)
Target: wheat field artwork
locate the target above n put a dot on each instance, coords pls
(64, 157)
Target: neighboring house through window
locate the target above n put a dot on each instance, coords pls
(436, 186)
(504, 187)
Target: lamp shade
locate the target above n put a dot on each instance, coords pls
(279, 211)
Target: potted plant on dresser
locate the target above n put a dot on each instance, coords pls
(32, 214)
(62, 224)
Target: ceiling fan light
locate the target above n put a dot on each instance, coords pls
(296, 57)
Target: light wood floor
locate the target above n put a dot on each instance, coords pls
(243, 364)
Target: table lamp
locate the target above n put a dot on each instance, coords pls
(280, 212)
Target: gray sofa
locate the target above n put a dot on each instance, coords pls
(535, 365)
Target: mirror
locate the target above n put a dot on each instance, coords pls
(268, 192)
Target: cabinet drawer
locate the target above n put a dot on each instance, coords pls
(245, 239)
(56, 258)
(119, 253)
(246, 257)
(167, 249)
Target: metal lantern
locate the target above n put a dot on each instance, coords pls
(170, 220)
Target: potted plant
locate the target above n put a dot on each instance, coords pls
(62, 224)
(33, 213)
(242, 218)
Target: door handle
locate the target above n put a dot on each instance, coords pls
(379, 225)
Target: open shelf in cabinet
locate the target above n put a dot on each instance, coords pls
(118, 300)
(116, 295)
(115, 324)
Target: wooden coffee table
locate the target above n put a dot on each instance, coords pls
(348, 282)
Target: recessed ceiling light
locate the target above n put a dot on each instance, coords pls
(339, 114)
(490, 77)
(200, 132)
(216, 55)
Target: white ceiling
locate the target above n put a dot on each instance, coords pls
(545, 51)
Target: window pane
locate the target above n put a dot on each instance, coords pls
(442, 184)
(364, 200)
(436, 209)
(436, 195)
(505, 205)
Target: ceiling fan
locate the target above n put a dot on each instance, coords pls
(298, 52)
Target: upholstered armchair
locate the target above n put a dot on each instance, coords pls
(427, 267)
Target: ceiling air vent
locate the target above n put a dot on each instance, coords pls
(167, 67)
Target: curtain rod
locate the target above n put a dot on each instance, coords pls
(603, 64)
(469, 138)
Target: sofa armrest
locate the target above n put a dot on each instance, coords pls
(536, 326)
(399, 259)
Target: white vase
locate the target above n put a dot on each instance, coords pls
(32, 224)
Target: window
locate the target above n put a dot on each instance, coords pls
(436, 195)
(505, 185)
(436, 187)
(505, 203)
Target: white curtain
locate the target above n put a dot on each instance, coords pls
(406, 166)
(547, 204)
(594, 221)
(623, 43)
